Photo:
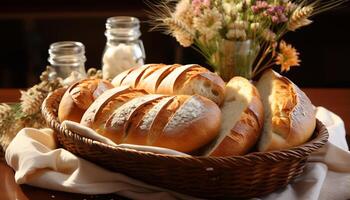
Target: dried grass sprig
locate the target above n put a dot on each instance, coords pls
(9, 124)
(321, 6)
(180, 31)
(26, 113)
(32, 99)
(300, 17)
(5, 112)
(157, 13)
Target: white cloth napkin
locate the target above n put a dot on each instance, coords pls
(34, 156)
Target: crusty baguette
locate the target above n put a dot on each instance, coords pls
(79, 97)
(181, 122)
(289, 114)
(97, 114)
(152, 80)
(174, 79)
(242, 119)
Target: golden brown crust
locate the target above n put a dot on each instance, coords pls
(186, 131)
(133, 78)
(244, 135)
(187, 74)
(106, 103)
(149, 71)
(168, 84)
(117, 122)
(117, 81)
(137, 130)
(68, 110)
(152, 81)
(291, 120)
(239, 137)
(205, 83)
(175, 79)
(79, 97)
(160, 120)
(98, 113)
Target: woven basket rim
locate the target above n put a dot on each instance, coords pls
(301, 151)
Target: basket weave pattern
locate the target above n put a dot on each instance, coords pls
(252, 175)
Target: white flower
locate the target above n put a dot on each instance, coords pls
(248, 2)
(208, 23)
(227, 7)
(236, 34)
(254, 26)
(237, 30)
(238, 7)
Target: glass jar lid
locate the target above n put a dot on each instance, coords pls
(123, 27)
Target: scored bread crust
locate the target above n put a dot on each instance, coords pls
(181, 122)
(168, 84)
(174, 79)
(242, 115)
(153, 80)
(141, 125)
(98, 113)
(117, 81)
(105, 103)
(118, 122)
(290, 119)
(79, 96)
(133, 77)
(194, 124)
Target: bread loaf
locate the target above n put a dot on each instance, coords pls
(181, 122)
(79, 97)
(174, 79)
(242, 119)
(289, 115)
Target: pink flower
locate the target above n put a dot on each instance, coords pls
(277, 14)
(197, 5)
(274, 19)
(206, 3)
(260, 6)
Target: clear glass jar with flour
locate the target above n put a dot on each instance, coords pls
(67, 60)
(123, 49)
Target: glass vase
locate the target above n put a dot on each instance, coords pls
(235, 58)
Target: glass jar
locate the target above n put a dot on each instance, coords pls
(236, 58)
(67, 58)
(123, 48)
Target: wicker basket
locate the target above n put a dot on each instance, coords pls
(252, 175)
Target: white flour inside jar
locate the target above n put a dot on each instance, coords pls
(119, 58)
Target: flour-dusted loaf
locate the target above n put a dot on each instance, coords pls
(174, 79)
(79, 97)
(289, 114)
(97, 114)
(242, 119)
(180, 122)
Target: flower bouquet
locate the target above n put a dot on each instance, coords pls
(238, 37)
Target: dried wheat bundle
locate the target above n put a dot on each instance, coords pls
(27, 113)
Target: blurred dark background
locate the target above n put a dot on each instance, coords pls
(27, 28)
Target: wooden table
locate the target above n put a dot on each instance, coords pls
(334, 99)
